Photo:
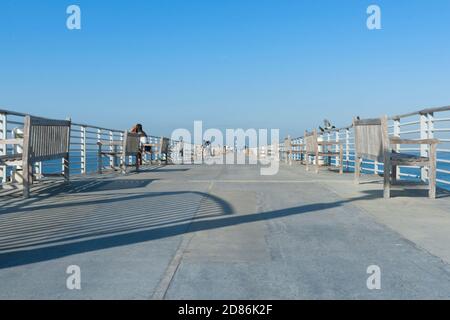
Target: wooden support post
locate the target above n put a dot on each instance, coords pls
(387, 175)
(386, 158)
(99, 158)
(317, 158)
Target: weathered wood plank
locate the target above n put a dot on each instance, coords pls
(372, 141)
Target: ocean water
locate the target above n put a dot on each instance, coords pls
(55, 166)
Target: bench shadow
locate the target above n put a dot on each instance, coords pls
(405, 189)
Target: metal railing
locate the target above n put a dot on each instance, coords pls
(422, 124)
(83, 148)
(426, 123)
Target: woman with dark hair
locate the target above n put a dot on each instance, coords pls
(138, 129)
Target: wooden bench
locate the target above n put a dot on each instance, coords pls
(312, 145)
(372, 142)
(43, 140)
(301, 150)
(290, 152)
(130, 146)
(163, 147)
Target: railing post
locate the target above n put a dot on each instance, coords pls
(430, 125)
(397, 133)
(111, 149)
(429, 135)
(376, 167)
(122, 158)
(337, 148)
(38, 170)
(424, 130)
(347, 146)
(83, 150)
(3, 151)
(99, 139)
(326, 148)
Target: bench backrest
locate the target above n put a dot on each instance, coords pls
(46, 139)
(310, 141)
(165, 145)
(131, 143)
(371, 138)
(287, 144)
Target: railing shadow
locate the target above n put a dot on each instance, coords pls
(160, 215)
(52, 191)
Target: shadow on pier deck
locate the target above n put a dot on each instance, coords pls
(223, 232)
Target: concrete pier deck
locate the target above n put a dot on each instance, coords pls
(224, 232)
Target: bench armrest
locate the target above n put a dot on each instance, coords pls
(329, 143)
(413, 141)
(12, 141)
(109, 143)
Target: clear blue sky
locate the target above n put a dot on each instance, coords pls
(232, 63)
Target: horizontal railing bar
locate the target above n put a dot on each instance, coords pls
(408, 175)
(368, 169)
(441, 119)
(410, 149)
(443, 181)
(441, 130)
(94, 127)
(404, 124)
(409, 131)
(15, 122)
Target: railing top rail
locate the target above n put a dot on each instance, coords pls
(420, 112)
(396, 117)
(13, 113)
(21, 114)
(96, 127)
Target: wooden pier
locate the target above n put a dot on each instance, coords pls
(223, 232)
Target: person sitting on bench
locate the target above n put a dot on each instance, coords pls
(138, 129)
